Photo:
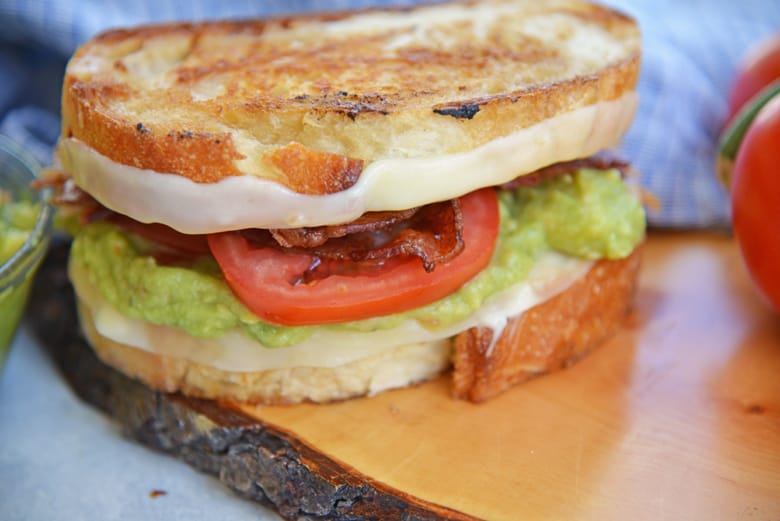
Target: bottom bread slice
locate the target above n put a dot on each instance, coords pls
(549, 336)
(398, 367)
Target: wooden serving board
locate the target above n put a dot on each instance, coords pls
(677, 417)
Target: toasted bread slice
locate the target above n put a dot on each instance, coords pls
(307, 101)
(547, 337)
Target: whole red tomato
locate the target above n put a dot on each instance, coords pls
(759, 68)
(755, 201)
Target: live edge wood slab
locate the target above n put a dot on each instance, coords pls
(677, 417)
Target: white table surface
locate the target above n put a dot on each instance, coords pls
(60, 459)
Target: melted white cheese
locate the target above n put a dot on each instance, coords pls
(326, 348)
(388, 184)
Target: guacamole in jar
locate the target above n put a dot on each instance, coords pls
(17, 221)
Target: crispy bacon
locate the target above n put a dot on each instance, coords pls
(433, 233)
(67, 195)
(599, 162)
(317, 236)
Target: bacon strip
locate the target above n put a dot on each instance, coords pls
(66, 193)
(317, 236)
(598, 162)
(433, 233)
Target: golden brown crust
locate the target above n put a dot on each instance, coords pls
(203, 157)
(308, 171)
(213, 100)
(550, 336)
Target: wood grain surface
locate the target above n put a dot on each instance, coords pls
(677, 417)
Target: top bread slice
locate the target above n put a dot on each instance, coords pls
(321, 95)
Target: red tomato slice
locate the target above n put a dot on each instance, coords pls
(759, 68)
(261, 277)
(755, 201)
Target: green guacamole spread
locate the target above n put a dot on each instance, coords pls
(588, 214)
(17, 219)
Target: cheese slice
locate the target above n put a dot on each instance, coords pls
(387, 184)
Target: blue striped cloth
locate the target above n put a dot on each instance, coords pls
(690, 52)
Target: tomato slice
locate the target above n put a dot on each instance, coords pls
(262, 277)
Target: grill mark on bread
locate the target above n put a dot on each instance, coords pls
(465, 111)
(351, 105)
